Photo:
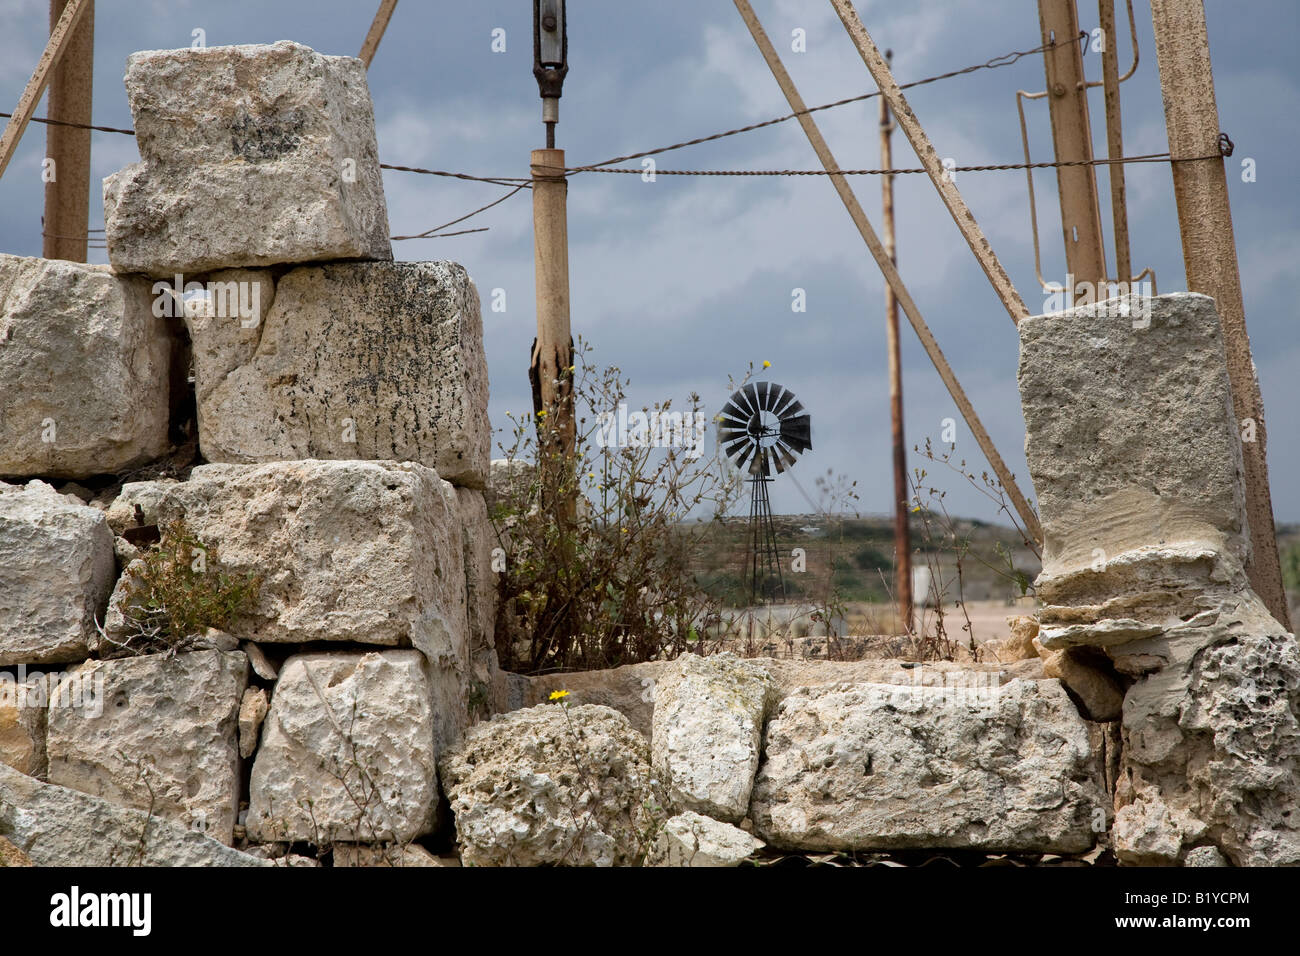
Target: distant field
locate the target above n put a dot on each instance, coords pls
(856, 555)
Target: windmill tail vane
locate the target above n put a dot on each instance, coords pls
(762, 427)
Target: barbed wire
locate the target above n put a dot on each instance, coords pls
(430, 233)
(996, 62)
(498, 180)
(53, 122)
(996, 167)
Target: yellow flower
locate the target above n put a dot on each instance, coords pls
(542, 413)
(625, 530)
(766, 364)
(591, 474)
(559, 694)
(916, 509)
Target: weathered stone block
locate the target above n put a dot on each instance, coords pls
(251, 155)
(56, 826)
(867, 766)
(708, 730)
(84, 364)
(56, 571)
(479, 543)
(1132, 445)
(347, 751)
(354, 361)
(690, 839)
(550, 785)
(163, 736)
(23, 704)
(1212, 741)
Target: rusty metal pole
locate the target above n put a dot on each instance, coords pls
(376, 32)
(1210, 258)
(902, 537)
(1067, 101)
(67, 186)
(1115, 141)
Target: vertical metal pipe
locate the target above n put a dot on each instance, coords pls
(1210, 257)
(902, 538)
(67, 186)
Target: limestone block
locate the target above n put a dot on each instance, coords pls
(251, 155)
(353, 361)
(1212, 741)
(252, 711)
(162, 736)
(84, 363)
(55, 826)
(22, 723)
(347, 751)
(357, 551)
(56, 571)
(1129, 432)
(690, 839)
(479, 541)
(548, 785)
(708, 729)
(871, 767)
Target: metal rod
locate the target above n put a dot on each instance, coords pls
(902, 537)
(928, 342)
(1067, 101)
(1210, 257)
(1115, 141)
(929, 158)
(67, 191)
(376, 31)
(54, 50)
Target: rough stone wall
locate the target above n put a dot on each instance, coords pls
(344, 407)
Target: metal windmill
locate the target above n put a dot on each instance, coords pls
(763, 426)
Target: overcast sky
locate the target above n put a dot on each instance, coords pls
(685, 280)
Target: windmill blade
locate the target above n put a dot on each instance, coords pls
(734, 411)
(784, 458)
(765, 390)
(792, 410)
(797, 433)
(733, 450)
(751, 393)
(728, 433)
(742, 401)
(787, 399)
